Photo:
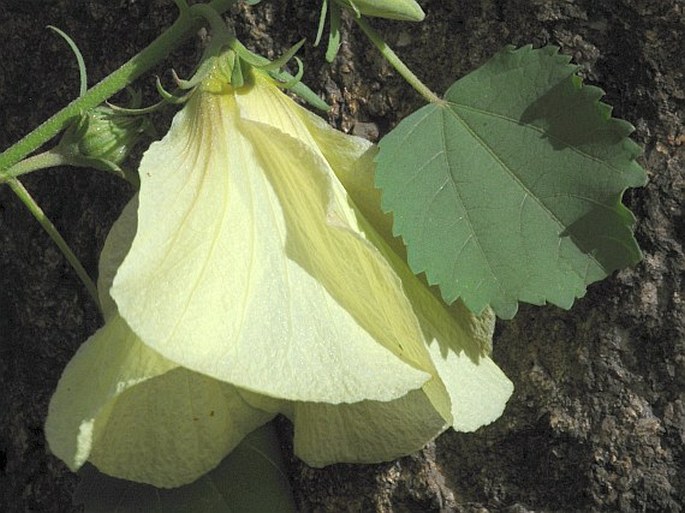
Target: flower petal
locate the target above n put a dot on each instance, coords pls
(477, 387)
(95, 376)
(117, 245)
(138, 416)
(210, 282)
(363, 432)
(133, 413)
(470, 390)
(459, 343)
(326, 240)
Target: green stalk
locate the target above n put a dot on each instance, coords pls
(396, 62)
(50, 158)
(47, 225)
(135, 67)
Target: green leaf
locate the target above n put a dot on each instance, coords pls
(511, 189)
(250, 480)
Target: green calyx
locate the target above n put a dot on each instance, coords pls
(103, 138)
(108, 135)
(228, 70)
(405, 10)
(236, 65)
(236, 62)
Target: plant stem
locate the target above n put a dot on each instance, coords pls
(50, 158)
(396, 62)
(135, 67)
(47, 225)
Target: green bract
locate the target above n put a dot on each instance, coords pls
(254, 282)
(106, 135)
(406, 10)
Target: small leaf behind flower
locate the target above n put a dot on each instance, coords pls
(249, 480)
(511, 189)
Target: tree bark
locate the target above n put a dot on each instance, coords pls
(597, 419)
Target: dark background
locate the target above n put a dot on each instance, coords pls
(597, 420)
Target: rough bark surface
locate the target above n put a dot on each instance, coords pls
(597, 420)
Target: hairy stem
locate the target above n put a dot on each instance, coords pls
(396, 62)
(47, 225)
(139, 64)
(50, 158)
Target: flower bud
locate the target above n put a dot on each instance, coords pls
(107, 135)
(405, 10)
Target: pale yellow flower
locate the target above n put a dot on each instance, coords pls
(253, 278)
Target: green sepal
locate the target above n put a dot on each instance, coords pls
(286, 80)
(285, 58)
(83, 75)
(322, 22)
(237, 76)
(334, 36)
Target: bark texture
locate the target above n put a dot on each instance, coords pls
(597, 420)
